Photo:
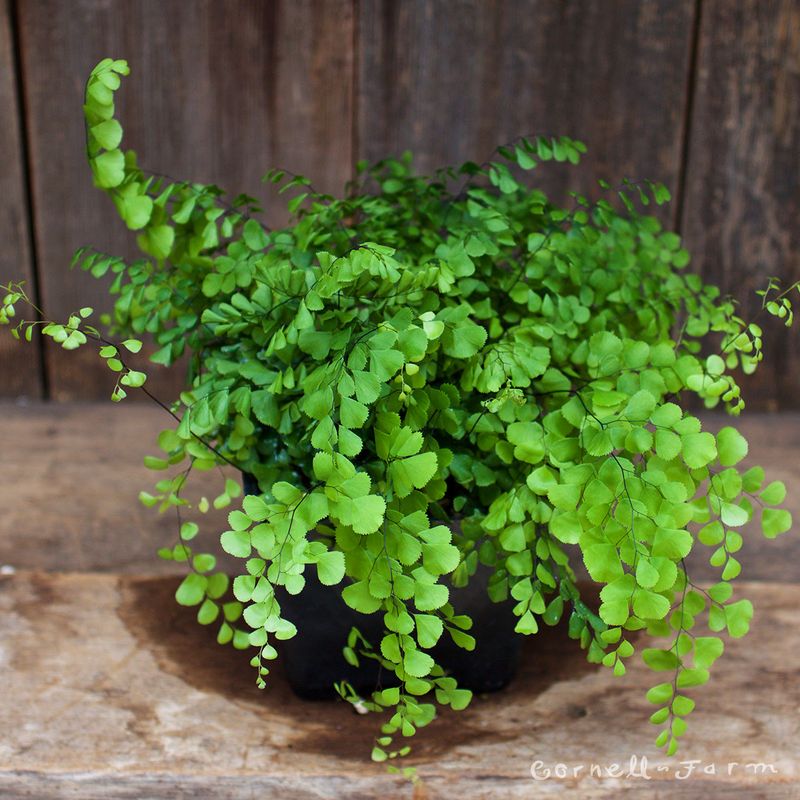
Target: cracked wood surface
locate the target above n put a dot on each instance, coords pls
(112, 691)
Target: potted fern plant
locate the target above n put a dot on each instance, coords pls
(443, 393)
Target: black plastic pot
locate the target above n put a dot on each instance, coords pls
(314, 662)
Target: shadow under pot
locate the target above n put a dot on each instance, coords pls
(313, 659)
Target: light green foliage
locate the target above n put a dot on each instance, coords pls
(77, 331)
(429, 350)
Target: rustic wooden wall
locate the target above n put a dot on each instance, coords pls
(702, 94)
(219, 92)
(20, 369)
(453, 80)
(741, 210)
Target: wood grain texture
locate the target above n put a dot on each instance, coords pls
(113, 691)
(450, 81)
(742, 191)
(70, 475)
(231, 89)
(20, 370)
(219, 92)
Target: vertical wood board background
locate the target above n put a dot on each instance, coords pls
(701, 94)
(217, 95)
(453, 80)
(20, 367)
(741, 212)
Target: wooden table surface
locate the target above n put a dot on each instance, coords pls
(110, 690)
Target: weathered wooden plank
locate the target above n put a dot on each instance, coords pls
(20, 370)
(742, 194)
(450, 81)
(69, 480)
(141, 786)
(113, 691)
(70, 475)
(218, 93)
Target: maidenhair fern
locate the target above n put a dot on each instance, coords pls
(433, 350)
